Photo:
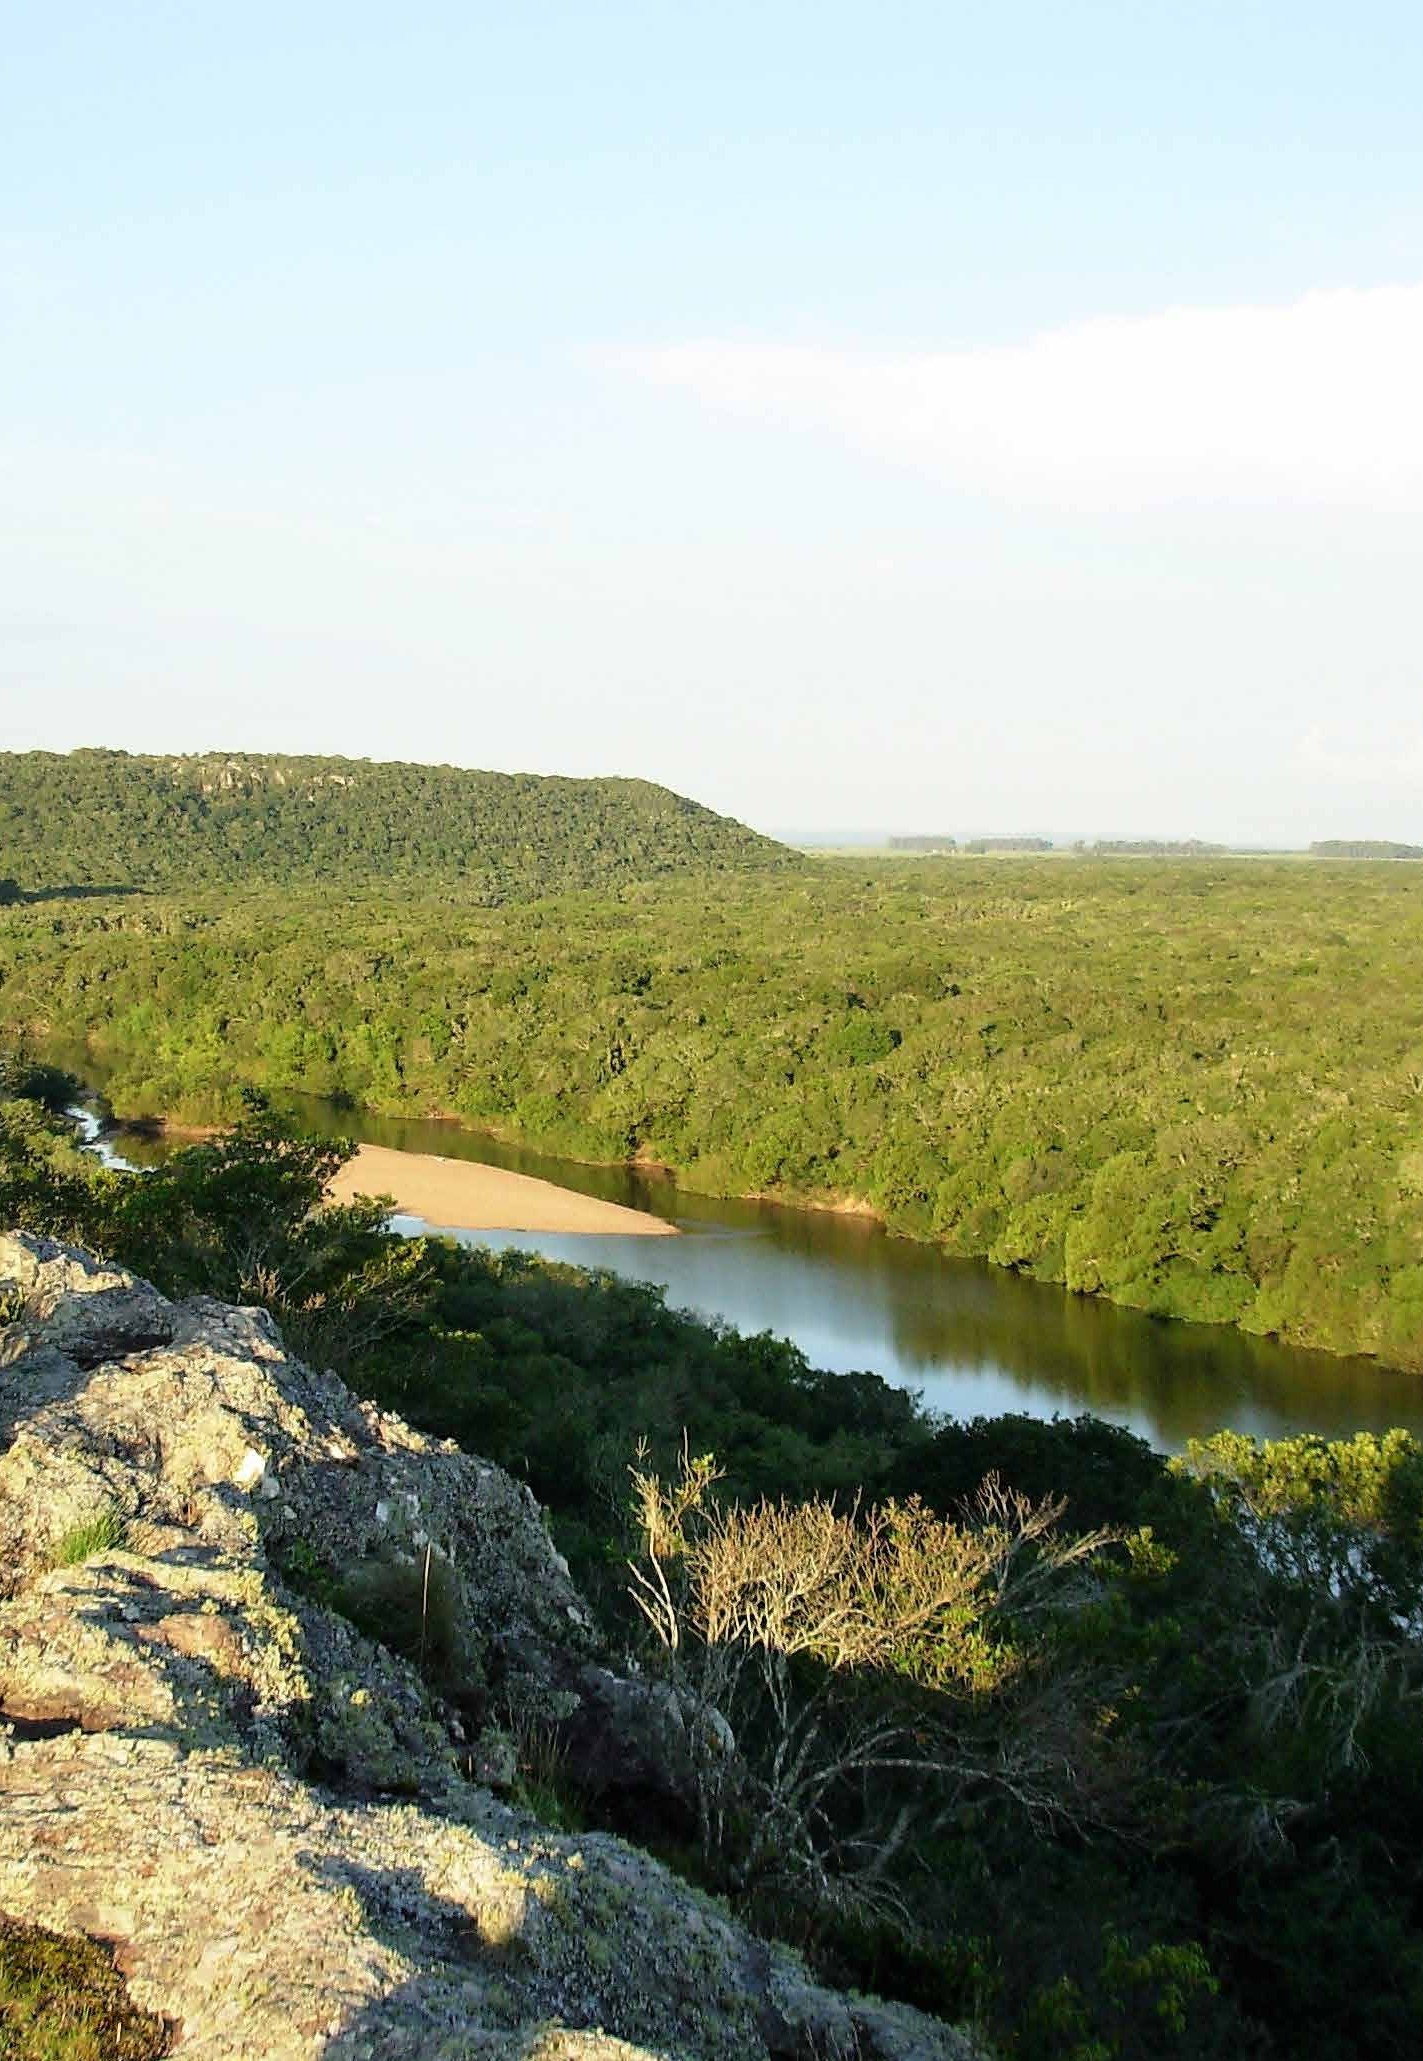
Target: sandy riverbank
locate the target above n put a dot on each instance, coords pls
(461, 1195)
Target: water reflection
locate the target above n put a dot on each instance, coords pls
(970, 1337)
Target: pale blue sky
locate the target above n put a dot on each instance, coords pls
(918, 416)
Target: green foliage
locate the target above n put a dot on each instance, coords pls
(408, 1600)
(1344, 1517)
(1144, 2006)
(1105, 1476)
(1195, 1088)
(109, 819)
(23, 1079)
(62, 1999)
(1161, 1796)
(411, 1604)
(304, 1570)
(240, 1217)
(558, 1374)
(543, 1784)
(105, 1533)
(46, 1183)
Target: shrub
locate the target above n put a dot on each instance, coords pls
(414, 1607)
(850, 1654)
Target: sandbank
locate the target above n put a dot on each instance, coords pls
(462, 1195)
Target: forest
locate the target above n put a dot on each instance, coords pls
(109, 818)
(1195, 1087)
(1121, 1759)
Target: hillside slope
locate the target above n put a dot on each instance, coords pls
(112, 819)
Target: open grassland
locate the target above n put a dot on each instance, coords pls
(1194, 1087)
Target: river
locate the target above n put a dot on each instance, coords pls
(969, 1337)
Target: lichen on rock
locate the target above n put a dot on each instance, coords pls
(271, 1816)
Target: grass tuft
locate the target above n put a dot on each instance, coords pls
(106, 1533)
(543, 1784)
(64, 2000)
(414, 1608)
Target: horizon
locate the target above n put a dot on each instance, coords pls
(828, 838)
(997, 419)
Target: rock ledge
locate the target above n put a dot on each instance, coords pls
(265, 1812)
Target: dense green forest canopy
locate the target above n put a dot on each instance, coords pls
(1195, 1088)
(105, 818)
(1140, 1780)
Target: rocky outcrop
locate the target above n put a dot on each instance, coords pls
(277, 1822)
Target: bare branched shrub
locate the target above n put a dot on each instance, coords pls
(660, 1513)
(850, 1652)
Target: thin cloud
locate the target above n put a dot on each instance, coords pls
(1319, 403)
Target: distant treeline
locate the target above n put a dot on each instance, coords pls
(1008, 844)
(1195, 1088)
(1151, 848)
(970, 844)
(1109, 847)
(104, 817)
(1364, 848)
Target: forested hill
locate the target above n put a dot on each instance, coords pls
(106, 818)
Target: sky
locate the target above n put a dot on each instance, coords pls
(992, 416)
